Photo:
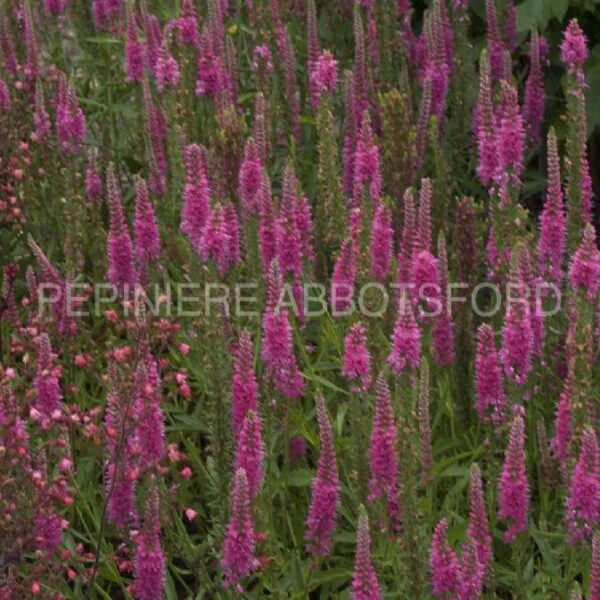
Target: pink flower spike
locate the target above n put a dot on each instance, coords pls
(240, 540)
(325, 494)
(357, 360)
(445, 571)
(364, 579)
(514, 487)
(583, 501)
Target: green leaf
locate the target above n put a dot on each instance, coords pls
(559, 8)
(300, 478)
(533, 13)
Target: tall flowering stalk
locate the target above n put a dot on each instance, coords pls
(134, 52)
(365, 585)
(583, 501)
(147, 237)
(496, 46)
(240, 539)
(149, 566)
(551, 243)
(425, 449)
(533, 109)
(196, 195)
(584, 271)
(383, 454)
(490, 400)
(325, 495)
(278, 344)
(381, 242)
(150, 428)
(357, 360)
(510, 141)
(250, 179)
(573, 55)
(478, 529)
(443, 329)
(406, 339)
(445, 569)
(121, 269)
(70, 120)
(47, 379)
(485, 124)
(250, 452)
(513, 486)
(408, 239)
(343, 278)
(517, 333)
(244, 388)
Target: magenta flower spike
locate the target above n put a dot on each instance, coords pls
(325, 491)
(121, 270)
(267, 228)
(584, 271)
(343, 279)
(278, 343)
(471, 572)
(490, 400)
(41, 118)
(215, 241)
(187, 24)
(240, 539)
(324, 75)
(70, 120)
(443, 328)
(244, 388)
(7, 45)
(147, 237)
(406, 339)
(350, 132)
(445, 570)
(408, 240)
(357, 360)
(150, 427)
(423, 236)
(583, 500)
(93, 181)
(494, 40)
(517, 332)
(382, 238)
(250, 179)
(149, 566)
(573, 49)
(533, 109)
(121, 469)
(304, 222)
(478, 529)
(47, 382)
(562, 435)
(166, 69)
(513, 486)
(313, 48)
(250, 452)
(383, 454)
(289, 243)
(366, 163)
(364, 579)
(134, 52)
(552, 240)
(510, 141)
(485, 126)
(4, 96)
(232, 228)
(196, 195)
